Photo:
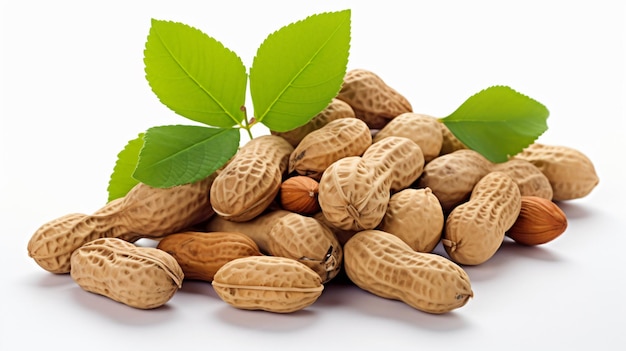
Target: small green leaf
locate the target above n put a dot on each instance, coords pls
(498, 122)
(122, 180)
(298, 69)
(194, 74)
(179, 154)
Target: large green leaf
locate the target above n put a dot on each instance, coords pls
(179, 154)
(498, 122)
(194, 74)
(298, 69)
(121, 180)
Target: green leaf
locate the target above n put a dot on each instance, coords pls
(179, 154)
(298, 69)
(498, 122)
(121, 180)
(194, 74)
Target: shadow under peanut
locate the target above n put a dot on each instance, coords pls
(575, 211)
(267, 321)
(197, 287)
(511, 254)
(51, 280)
(346, 295)
(120, 313)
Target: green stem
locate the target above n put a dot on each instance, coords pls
(247, 125)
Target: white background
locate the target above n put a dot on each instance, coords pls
(73, 93)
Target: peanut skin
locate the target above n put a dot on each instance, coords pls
(140, 277)
(201, 254)
(540, 221)
(291, 235)
(383, 264)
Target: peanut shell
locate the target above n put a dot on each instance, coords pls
(383, 264)
(372, 100)
(475, 230)
(337, 139)
(201, 254)
(416, 217)
(397, 158)
(257, 228)
(450, 143)
(570, 172)
(335, 110)
(308, 241)
(422, 129)
(351, 196)
(452, 177)
(530, 180)
(140, 277)
(145, 212)
(268, 283)
(251, 181)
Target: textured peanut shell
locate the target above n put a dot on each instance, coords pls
(416, 217)
(396, 158)
(145, 212)
(342, 235)
(268, 283)
(291, 235)
(474, 231)
(354, 191)
(335, 110)
(251, 181)
(422, 129)
(308, 241)
(257, 228)
(352, 196)
(570, 172)
(452, 177)
(140, 277)
(530, 180)
(201, 254)
(450, 143)
(372, 100)
(383, 264)
(340, 138)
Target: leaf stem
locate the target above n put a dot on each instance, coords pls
(247, 125)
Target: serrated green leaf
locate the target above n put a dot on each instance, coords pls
(498, 122)
(298, 69)
(178, 154)
(194, 74)
(121, 180)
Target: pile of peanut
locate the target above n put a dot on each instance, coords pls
(367, 187)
